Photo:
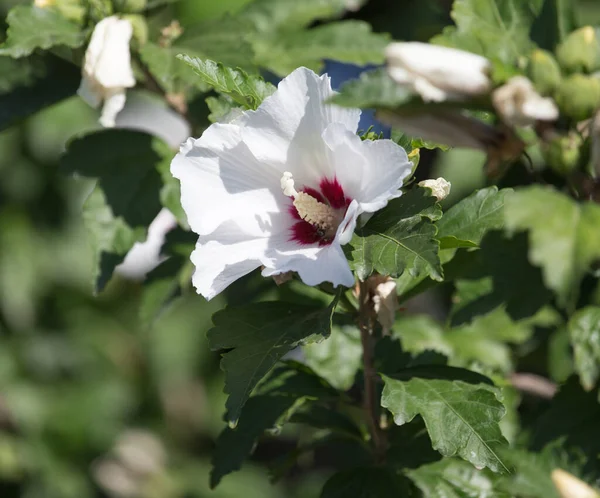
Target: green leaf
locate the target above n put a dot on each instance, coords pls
(512, 281)
(16, 73)
(465, 223)
(365, 482)
(584, 329)
(556, 20)
(267, 16)
(287, 390)
(31, 27)
(338, 358)
(400, 237)
(219, 107)
(223, 40)
(173, 75)
(259, 335)
(322, 417)
(564, 239)
(248, 91)
(126, 163)
(110, 237)
(461, 417)
(372, 89)
(453, 478)
(496, 29)
(346, 41)
(573, 417)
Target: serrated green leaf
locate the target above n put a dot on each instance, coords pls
(31, 27)
(321, 417)
(453, 478)
(584, 330)
(346, 41)
(496, 29)
(564, 239)
(287, 390)
(259, 335)
(126, 163)
(465, 223)
(461, 418)
(338, 358)
(173, 75)
(399, 238)
(219, 107)
(248, 91)
(365, 482)
(372, 89)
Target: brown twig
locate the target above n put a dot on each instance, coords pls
(370, 401)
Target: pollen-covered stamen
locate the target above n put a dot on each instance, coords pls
(322, 216)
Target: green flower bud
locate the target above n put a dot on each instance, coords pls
(580, 51)
(129, 6)
(578, 96)
(544, 71)
(140, 27)
(99, 9)
(562, 154)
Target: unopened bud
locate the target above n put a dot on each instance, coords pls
(570, 486)
(544, 71)
(578, 96)
(129, 6)
(580, 51)
(518, 104)
(99, 9)
(440, 188)
(438, 73)
(563, 152)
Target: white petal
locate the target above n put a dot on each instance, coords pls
(287, 127)
(221, 180)
(222, 261)
(369, 171)
(90, 92)
(454, 71)
(113, 104)
(429, 92)
(330, 265)
(108, 60)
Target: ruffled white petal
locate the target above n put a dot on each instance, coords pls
(370, 171)
(285, 131)
(221, 180)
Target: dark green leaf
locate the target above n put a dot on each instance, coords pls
(565, 244)
(365, 482)
(556, 20)
(584, 329)
(32, 27)
(126, 165)
(259, 335)
(400, 237)
(461, 417)
(322, 417)
(372, 89)
(465, 223)
(496, 29)
(248, 91)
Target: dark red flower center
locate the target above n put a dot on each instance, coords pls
(331, 193)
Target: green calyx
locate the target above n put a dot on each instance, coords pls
(578, 96)
(562, 153)
(543, 70)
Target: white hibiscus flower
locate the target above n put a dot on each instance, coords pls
(282, 187)
(107, 68)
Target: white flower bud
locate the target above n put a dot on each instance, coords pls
(438, 73)
(518, 103)
(440, 188)
(570, 487)
(107, 68)
(385, 302)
